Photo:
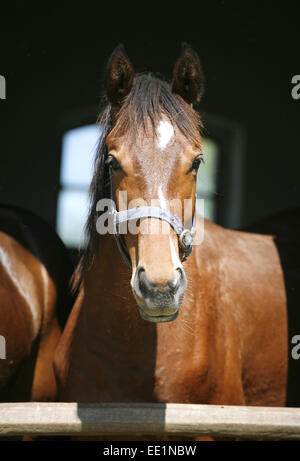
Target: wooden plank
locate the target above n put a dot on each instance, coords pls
(133, 418)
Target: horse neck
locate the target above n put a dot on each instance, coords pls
(110, 310)
(115, 333)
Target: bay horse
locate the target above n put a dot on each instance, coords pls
(35, 300)
(154, 322)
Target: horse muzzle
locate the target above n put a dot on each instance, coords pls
(159, 301)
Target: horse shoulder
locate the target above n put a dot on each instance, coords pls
(244, 273)
(254, 294)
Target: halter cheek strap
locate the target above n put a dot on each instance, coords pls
(185, 236)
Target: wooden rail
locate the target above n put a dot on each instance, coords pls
(96, 419)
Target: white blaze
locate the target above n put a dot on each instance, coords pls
(162, 200)
(174, 254)
(165, 133)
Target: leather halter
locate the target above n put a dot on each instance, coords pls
(185, 236)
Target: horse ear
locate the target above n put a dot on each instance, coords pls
(119, 76)
(188, 79)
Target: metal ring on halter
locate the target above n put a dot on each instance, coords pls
(186, 242)
(185, 239)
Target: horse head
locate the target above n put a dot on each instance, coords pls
(150, 156)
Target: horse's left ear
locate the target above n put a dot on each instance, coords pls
(119, 76)
(188, 79)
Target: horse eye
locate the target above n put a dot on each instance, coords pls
(113, 163)
(196, 163)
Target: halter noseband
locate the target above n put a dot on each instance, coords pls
(185, 236)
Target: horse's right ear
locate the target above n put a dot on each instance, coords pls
(119, 76)
(188, 79)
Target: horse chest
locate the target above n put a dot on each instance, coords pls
(181, 379)
(166, 376)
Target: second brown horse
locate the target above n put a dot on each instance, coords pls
(35, 301)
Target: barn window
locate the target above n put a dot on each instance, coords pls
(207, 183)
(78, 150)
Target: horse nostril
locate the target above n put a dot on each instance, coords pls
(180, 271)
(143, 282)
(140, 270)
(175, 282)
(148, 288)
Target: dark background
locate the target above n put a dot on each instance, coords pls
(53, 65)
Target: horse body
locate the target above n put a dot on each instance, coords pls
(227, 346)
(34, 304)
(211, 328)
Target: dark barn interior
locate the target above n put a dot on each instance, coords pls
(53, 65)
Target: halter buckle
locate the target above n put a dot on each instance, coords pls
(185, 240)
